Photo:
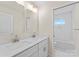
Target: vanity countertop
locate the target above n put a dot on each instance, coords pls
(11, 49)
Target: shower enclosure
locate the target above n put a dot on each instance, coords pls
(64, 43)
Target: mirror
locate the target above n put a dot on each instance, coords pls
(31, 17)
(31, 25)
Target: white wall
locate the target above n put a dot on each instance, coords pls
(75, 25)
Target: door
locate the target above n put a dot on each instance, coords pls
(63, 41)
(62, 27)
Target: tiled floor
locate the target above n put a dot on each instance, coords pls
(64, 54)
(63, 49)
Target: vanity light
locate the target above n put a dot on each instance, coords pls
(34, 10)
(28, 6)
(31, 7)
(20, 2)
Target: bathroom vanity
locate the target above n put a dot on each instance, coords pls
(29, 47)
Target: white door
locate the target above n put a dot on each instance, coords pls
(62, 27)
(63, 40)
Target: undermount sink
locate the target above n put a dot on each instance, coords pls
(16, 45)
(30, 40)
(21, 43)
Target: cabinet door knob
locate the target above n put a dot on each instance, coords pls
(44, 49)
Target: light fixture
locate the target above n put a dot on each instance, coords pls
(28, 6)
(31, 7)
(34, 10)
(20, 2)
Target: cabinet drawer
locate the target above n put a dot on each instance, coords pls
(28, 52)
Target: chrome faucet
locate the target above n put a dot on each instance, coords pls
(34, 35)
(15, 39)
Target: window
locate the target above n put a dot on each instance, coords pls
(59, 21)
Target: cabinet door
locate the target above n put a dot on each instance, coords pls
(28, 52)
(35, 54)
(43, 48)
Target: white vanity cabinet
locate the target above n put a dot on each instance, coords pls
(40, 49)
(29, 52)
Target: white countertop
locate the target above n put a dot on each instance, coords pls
(11, 49)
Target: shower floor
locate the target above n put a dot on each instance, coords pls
(59, 53)
(63, 49)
